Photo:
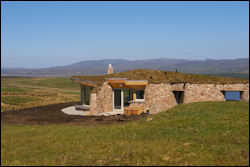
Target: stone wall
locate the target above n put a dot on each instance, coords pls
(203, 92)
(245, 94)
(212, 92)
(103, 100)
(178, 87)
(93, 104)
(159, 97)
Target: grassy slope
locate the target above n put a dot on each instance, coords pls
(208, 133)
(233, 75)
(17, 93)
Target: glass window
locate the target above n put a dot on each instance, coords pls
(127, 96)
(117, 99)
(86, 90)
(233, 95)
(139, 94)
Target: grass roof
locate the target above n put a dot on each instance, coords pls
(157, 77)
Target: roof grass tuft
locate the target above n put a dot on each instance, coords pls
(158, 77)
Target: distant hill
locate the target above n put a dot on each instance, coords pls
(212, 66)
(99, 67)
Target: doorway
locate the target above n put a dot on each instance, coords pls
(85, 94)
(117, 99)
(121, 98)
(179, 96)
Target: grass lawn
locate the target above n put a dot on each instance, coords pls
(14, 89)
(18, 93)
(203, 133)
(17, 100)
(64, 83)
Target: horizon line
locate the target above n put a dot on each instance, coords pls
(204, 59)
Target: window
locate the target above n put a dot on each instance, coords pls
(88, 89)
(139, 94)
(232, 95)
(85, 94)
(117, 99)
(127, 96)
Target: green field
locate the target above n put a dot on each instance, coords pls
(18, 93)
(204, 133)
(207, 133)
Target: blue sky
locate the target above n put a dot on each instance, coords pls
(45, 34)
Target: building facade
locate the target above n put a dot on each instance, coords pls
(116, 94)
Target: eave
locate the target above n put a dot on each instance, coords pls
(84, 82)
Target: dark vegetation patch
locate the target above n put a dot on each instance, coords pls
(52, 114)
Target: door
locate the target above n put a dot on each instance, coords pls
(178, 96)
(121, 98)
(127, 96)
(85, 94)
(118, 99)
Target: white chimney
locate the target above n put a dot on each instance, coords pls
(110, 69)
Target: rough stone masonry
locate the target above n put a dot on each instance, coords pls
(160, 97)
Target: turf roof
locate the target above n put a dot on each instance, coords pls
(157, 77)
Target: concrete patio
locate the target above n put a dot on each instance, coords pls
(72, 111)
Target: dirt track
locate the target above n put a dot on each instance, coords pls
(52, 114)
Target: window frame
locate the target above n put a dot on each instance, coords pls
(224, 94)
(143, 95)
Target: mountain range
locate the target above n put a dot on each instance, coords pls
(99, 67)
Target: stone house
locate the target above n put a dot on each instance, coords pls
(154, 90)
